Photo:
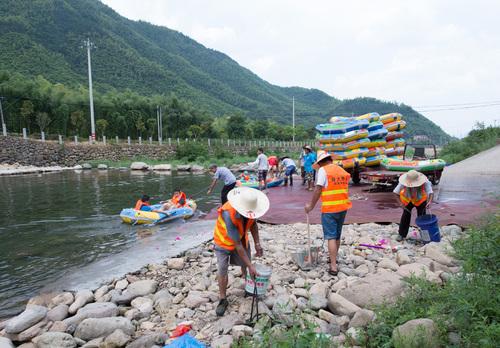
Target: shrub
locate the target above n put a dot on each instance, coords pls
(190, 151)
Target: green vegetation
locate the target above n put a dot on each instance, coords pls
(297, 333)
(468, 304)
(479, 139)
(138, 66)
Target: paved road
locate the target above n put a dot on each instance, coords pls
(475, 179)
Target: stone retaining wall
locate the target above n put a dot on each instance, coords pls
(38, 153)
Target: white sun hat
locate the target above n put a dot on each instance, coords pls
(249, 202)
(412, 179)
(321, 156)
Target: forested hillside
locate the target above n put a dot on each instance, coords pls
(152, 63)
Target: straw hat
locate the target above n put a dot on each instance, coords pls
(412, 179)
(322, 155)
(249, 202)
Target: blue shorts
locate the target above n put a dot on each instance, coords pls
(332, 224)
(289, 170)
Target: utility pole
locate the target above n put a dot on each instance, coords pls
(293, 119)
(4, 127)
(89, 45)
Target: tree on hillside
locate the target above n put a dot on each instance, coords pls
(101, 125)
(151, 125)
(26, 111)
(42, 120)
(236, 126)
(194, 131)
(77, 120)
(139, 125)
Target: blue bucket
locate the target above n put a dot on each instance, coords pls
(429, 226)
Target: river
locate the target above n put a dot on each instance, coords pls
(63, 231)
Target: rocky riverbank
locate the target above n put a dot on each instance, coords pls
(142, 309)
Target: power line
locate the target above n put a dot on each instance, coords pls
(458, 104)
(459, 107)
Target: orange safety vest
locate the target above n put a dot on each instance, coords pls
(139, 204)
(406, 197)
(177, 198)
(221, 237)
(335, 196)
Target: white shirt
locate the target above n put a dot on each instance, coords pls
(262, 162)
(287, 162)
(321, 179)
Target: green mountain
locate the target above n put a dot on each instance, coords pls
(44, 37)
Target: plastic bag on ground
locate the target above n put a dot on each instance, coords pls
(185, 341)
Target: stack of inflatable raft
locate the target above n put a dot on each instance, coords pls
(363, 140)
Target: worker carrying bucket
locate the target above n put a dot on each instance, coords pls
(415, 191)
(235, 218)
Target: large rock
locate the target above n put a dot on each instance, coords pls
(434, 251)
(55, 339)
(176, 263)
(362, 318)
(195, 299)
(374, 289)
(58, 313)
(5, 343)
(416, 333)
(86, 166)
(102, 166)
(151, 340)
(225, 341)
(29, 317)
(91, 310)
(139, 166)
(98, 327)
(196, 168)
(341, 306)
(81, 299)
(225, 324)
(66, 298)
(402, 257)
(317, 296)
(239, 331)
(143, 305)
(419, 270)
(117, 339)
(183, 168)
(388, 264)
(162, 167)
(136, 289)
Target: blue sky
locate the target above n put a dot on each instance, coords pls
(424, 53)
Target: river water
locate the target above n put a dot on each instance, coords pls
(63, 231)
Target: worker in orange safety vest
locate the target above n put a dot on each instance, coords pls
(235, 219)
(332, 186)
(413, 191)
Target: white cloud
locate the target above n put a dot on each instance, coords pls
(422, 52)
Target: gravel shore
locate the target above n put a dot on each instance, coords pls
(143, 308)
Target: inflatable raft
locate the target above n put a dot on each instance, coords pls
(392, 117)
(255, 184)
(375, 125)
(404, 166)
(394, 135)
(341, 155)
(341, 126)
(355, 144)
(396, 151)
(342, 137)
(395, 126)
(374, 151)
(351, 162)
(375, 143)
(377, 134)
(373, 161)
(139, 217)
(371, 117)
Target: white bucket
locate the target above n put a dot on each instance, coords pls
(261, 280)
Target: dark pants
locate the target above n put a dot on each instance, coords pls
(225, 191)
(404, 224)
(303, 175)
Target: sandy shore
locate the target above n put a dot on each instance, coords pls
(142, 309)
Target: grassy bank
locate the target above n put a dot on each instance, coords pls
(467, 305)
(479, 139)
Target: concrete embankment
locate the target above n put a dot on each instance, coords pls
(140, 309)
